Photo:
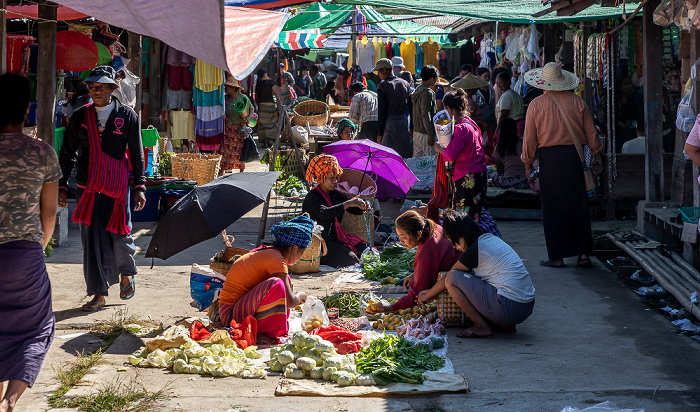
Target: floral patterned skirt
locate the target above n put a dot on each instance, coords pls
(468, 194)
(231, 148)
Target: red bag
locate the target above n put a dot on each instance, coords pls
(198, 331)
(244, 333)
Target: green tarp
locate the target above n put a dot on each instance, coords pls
(321, 16)
(511, 11)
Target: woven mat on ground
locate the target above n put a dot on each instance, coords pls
(434, 383)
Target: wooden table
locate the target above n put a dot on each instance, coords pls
(337, 116)
(317, 142)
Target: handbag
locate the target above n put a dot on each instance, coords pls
(590, 180)
(250, 150)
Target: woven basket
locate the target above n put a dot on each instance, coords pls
(220, 267)
(230, 252)
(310, 261)
(447, 309)
(357, 224)
(303, 113)
(201, 168)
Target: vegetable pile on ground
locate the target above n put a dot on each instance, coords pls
(292, 187)
(311, 356)
(422, 333)
(393, 320)
(348, 304)
(343, 340)
(392, 265)
(214, 359)
(392, 358)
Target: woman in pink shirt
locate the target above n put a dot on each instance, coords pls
(435, 254)
(467, 153)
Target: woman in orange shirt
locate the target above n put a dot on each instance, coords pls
(258, 283)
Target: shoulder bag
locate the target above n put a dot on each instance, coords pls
(591, 184)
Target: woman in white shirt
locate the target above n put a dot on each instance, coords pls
(510, 104)
(489, 281)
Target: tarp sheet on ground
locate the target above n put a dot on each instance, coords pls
(232, 38)
(434, 383)
(518, 11)
(326, 18)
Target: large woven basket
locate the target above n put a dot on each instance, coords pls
(313, 112)
(447, 309)
(230, 253)
(358, 224)
(202, 168)
(221, 267)
(310, 261)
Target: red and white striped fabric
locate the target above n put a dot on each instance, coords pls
(295, 40)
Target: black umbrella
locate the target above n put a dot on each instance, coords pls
(209, 209)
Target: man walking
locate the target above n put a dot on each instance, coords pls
(424, 109)
(102, 132)
(393, 95)
(364, 109)
(318, 83)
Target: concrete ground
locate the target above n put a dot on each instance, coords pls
(590, 339)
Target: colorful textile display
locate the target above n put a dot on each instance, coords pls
(208, 100)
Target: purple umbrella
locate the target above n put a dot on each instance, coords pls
(394, 178)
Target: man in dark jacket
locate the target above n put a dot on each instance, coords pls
(97, 138)
(394, 95)
(424, 109)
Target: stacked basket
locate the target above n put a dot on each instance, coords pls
(310, 261)
(359, 224)
(447, 309)
(201, 168)
(311, 112)
(223, 260)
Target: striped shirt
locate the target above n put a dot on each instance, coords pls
(495, 262)
(364, 107)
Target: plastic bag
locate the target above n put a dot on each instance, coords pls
(443, 130)
(663, 14)
(127, 87)
(313, 311)
(606, 406)
(685, 117)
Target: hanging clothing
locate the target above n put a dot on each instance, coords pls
(365, 56)
(430, 53)
(408, 52)
(420, 58)
(379, 50)
(181, 125)
(207, 77)
(389, 50)
(396, 48)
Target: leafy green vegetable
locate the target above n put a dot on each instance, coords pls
(392, 358)
(395, 262)
(348, 304)
(292, 187)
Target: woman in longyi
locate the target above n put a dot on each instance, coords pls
(258, 283)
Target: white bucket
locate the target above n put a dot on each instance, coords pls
(443, 132)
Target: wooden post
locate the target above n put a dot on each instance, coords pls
(653, 105)
(46, 72)
(134, 66)
(355, 11)
(549, 35)
(155, 92)
(694, 56)
(3, 36)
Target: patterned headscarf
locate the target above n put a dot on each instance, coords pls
(343, 123)
(296, 232)
(321, 166)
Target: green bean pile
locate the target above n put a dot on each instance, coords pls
(348, 304)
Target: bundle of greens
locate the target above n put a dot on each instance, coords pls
(392, 358)
(348, 304)
(393, 265)
(292, 187)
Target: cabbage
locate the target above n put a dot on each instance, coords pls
(179, 366)
(346, 379)
(349, 368)
(275, 350)
(326, 355)
(159, 359)
(275, 366)
(317, 359)
(215, 348)
(135, 360)
(285, 357)
(177, 354)
(196, 351)
(312, 340)
(333, 362)
(188, 344)
(142, 352)
(253, 373)
(311, 352)
(291, 371)
(251, 352)
(364, 379)
(327, 372)
(336, 375)
(324, 346)
(299, 338)
(306, 363)
(232, 351)
(317, 373)
(290, 347)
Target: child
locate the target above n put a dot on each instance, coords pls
(489, 281)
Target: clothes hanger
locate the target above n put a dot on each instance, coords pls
(430, 40)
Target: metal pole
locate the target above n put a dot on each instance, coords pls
(355, 29)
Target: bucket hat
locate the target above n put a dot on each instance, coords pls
(103, 74)
(470, 81)
(383, 64)
(551, 77)
(397, 61)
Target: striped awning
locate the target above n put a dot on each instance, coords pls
(297, 40)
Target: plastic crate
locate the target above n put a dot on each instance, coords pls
(690, 214)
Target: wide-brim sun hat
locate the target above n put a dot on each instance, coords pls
(551, 77)
(233, 83)
(470, 81)
(397, 61)
(103, 74)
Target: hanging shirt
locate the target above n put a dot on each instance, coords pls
(365, 56)
(378, 49)
(397, 49)
(408, 52)
(430, 53)
(207, 77)
(350, 60)
(389, 50)
(419, 59)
